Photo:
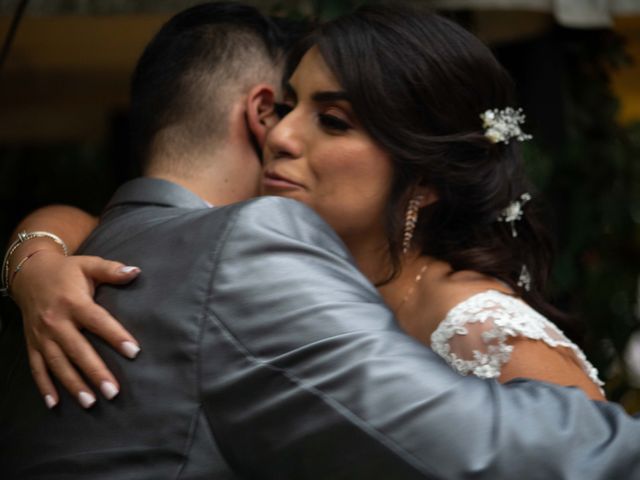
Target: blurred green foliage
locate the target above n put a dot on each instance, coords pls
(593, 184)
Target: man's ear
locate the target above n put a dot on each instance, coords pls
(261, 116)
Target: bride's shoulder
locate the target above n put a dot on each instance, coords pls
(491, 319)
(495, 305)
(487, 320)
(448, 291)
(481, 335)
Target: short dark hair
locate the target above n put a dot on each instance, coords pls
(187, 74)
(418, 83)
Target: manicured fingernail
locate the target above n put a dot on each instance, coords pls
(129, 269)
(86, 399)
(109, 390)
(130, 349)
(50, 401)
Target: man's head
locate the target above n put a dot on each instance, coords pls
(203, 91)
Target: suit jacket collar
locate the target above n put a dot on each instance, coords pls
(154, 191)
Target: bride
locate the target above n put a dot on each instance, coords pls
(398, 128)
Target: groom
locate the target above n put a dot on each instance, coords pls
(266, 353)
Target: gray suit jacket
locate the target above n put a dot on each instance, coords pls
(266, 354)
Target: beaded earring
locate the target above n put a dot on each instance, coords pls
(410, 221)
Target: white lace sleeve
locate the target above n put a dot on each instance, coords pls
(473, 338)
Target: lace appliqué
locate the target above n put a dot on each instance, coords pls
(492, 318)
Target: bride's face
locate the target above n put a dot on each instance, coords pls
(319, 154)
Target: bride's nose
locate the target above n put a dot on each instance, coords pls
(284, 139)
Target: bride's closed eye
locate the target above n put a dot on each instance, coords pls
(333, 122)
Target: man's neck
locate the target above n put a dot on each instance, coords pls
(221, 173)
(189, 185)
(219, 183)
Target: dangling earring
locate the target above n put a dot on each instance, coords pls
(410, 221)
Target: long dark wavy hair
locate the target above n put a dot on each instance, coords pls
(418, 83)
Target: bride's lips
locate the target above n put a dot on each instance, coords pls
(272, 179)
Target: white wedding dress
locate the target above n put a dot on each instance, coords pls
(474, 336)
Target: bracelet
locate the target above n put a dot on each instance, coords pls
(19, 267)
(22, 238)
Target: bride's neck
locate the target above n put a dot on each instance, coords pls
(412, 266)
(374, 261)
(372, 257)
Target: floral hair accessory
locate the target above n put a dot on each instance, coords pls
(524, 280)
(503, 125)
(514, 212)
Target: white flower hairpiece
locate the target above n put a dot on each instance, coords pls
(514, 211)
(503, 125)
(524, 280)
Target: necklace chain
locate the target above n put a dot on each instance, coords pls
(414, 284)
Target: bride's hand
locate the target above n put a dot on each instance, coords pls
(55, 295)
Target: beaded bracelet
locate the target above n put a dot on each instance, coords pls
(22, 238)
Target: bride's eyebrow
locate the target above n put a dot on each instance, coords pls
(318, 97)
(327, 97)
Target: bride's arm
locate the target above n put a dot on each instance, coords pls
(70, 223)
(536, 360)
(55, 295)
